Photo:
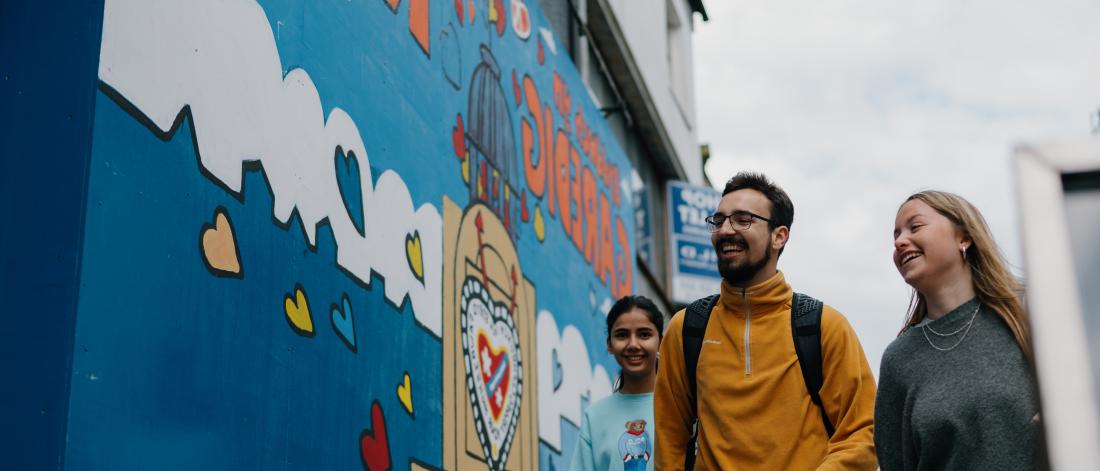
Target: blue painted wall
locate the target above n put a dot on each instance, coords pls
(47, 93)
(374, 234)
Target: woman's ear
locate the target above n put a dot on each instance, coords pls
(962, 238)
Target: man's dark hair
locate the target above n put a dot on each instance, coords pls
(782, 208)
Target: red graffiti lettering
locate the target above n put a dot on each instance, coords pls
(588, 183)
(605, 262)
(624, 267)
(575, 199)
(566, 167)
(561, 178)
(418, 24)
(562, 100)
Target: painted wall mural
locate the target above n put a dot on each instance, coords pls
(356, 234)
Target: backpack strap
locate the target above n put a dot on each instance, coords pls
(695, 325)
(806, 330)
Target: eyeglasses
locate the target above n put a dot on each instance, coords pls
(739, 220)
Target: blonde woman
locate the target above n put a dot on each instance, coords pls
(955, 388)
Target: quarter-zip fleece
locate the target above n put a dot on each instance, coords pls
(754, 410)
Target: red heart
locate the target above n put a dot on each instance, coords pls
(458, 138)
(524, 214)
(374, 444)
(495, 375)
(515, 87)
(500, 17)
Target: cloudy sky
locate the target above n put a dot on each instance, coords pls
(852, 105)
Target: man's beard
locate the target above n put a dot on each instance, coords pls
(740, 274)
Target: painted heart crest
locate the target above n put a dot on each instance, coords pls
(494, 370)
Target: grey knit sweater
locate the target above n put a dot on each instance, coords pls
(972, 407)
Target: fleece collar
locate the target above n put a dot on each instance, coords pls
(771, 295)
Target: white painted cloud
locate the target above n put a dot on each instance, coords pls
(220, 58)
(579, 380)
(851, 105)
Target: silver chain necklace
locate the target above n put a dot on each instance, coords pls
(965, 329)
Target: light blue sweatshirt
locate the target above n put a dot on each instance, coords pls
(616, 435)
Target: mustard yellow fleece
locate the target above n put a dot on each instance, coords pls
(754, 410)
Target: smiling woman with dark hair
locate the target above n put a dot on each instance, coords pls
(955, 390)
(617, 432)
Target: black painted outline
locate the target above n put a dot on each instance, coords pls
(396, 306)
(453, 32)
(428, 6)
(424, 465)
(555, 365)
(347, 315)
(293, 296)
(250, 166)
(217, 272)
(165, 136)
(415, 237)
(347, 156)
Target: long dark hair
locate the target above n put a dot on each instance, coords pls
(626, 304)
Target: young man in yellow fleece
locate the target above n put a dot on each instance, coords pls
(754, 411)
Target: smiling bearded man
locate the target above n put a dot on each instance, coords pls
(766, 386)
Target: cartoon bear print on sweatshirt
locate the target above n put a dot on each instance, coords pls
(635, 446)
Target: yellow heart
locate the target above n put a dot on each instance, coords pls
(297, 312)
(414, 255)
(404, 394)
(540, 226)
(219, 247)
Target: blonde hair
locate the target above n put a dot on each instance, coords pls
(994, 285)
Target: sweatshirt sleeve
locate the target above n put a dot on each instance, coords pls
(672, 399)
(848, 395)
(888, 412)
(583, 457)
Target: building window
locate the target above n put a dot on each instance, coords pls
(678, 57)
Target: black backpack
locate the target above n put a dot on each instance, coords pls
(805, 328)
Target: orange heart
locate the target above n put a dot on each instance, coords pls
(219, 247)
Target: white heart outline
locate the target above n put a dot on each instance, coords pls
(473, 290)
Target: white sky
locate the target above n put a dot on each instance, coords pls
(852, 105)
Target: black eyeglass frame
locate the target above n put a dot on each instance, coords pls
(714, 223)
